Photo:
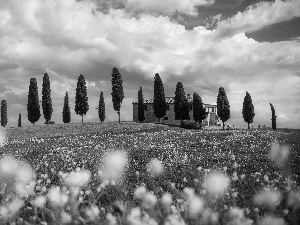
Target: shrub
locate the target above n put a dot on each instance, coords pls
(190, 125)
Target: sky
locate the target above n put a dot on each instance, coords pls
(241, 45)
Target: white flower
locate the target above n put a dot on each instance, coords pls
(195, 206)
(56, 197)
(2, 136)
(268, 198)
(139, 192)
(78, 178)
(111, 219)
(92, 212)
(269, 220)
(113, 166)
(155, 167)
(216, 183)
(65, 217)
(279, 154)
(148, 200)
(174, 219)
(39, 201)
(294, 200)
(166, 200)
(24, 190)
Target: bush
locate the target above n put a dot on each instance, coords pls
(187, 124)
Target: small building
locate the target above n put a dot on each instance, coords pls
(210, 120)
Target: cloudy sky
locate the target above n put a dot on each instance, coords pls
(241, 45)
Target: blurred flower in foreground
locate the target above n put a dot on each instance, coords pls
(11, 208)
(113, 166)
(78, 178)
(92, 212)
(39, 201)
(166, 200)
(149, 200)
(279, 154)
(294, 200)
(210, 217)
(155, 167)
(174, 219)
(139, 192)
(136, 218)
(267, 198)
(237, 217)
(269, 220)
(56, 197)
(216, 183)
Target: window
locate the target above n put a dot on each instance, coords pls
(166, 118)
(145, 107)
(168, 108)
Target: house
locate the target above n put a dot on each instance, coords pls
(210, 120)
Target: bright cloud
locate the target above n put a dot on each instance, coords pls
(259, 15)
(68, 38)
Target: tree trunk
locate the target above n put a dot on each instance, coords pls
(119, 116)
(158, 120)
(223, 125)
(248, 126)
(82, 119)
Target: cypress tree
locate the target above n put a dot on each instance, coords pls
(141, 112)
(159, 101)
(184, 109)
(101, 107)
(33, 105)
(3, 113)
(248, 109)
(46, 99)
(117, 90)
(81, 99)
(273, 117)
(66, 114)
(223, 106)
(20, 120)
(198, 109)
(178, 100)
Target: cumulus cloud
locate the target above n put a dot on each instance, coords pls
(259, 15)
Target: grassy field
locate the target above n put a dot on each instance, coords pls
(184, 162)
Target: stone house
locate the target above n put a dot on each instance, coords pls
(210, 120)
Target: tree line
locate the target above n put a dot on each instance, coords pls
(182, 107)
(181, 104)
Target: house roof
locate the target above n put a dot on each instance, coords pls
(170, 100)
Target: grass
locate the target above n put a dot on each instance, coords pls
(188, 157)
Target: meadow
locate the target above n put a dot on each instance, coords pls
(131, 173)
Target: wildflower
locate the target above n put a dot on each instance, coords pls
(269, 220)
(155, 167)
(111, 220)
(268, 198)
(174, 219)
(279, 154)
(65, 217)
(216, 183)
(210, 217)
(114, 165)
(118, 208)
(149, 200)
(195, 206)
(166, 200)
(56, 197)
(39, 201)
(294, 200)
(92, 212)
(78, 178)
(23, 190)
(139, 192)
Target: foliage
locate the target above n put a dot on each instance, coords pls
(273, 117)
(141, 112)
(178, 100)
(3, 113)
(46, 99)
(81, 99)
(101, 107)
(198, 109)
(117, 90)
(20, 120)
(159, 101)
(184, 109)
(188, 124)
(248, 109)
(33, 105)
(223, 106)
(66, 114)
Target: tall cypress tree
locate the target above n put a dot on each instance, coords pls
(273, 117)
(159, 101)
(198, 109)
(66, 114)
(81, 99)
(33, 105)
(46, 99)
(117, 90)
(101, 108)
(184, 109)
(3, 113)
(223, 106)
(20, 120)
(141, 112)
(178, 100)
(248, 109)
